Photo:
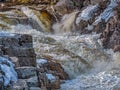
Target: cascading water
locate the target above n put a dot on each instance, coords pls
(7, 67)
(89, 65)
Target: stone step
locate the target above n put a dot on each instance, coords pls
(25, 72)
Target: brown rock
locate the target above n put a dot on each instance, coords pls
(55, 83)
(54, 68)
(57, 70)
(111, 35)
(49, 81)
(116, 48)
(66, 6)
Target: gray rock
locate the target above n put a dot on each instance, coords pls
(33, 82)
(19, 46)
(1, 82)
(15, 61)
(35, 88)
(117, 87)
(26, 72)
(20, 85)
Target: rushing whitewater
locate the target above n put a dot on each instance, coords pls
(101, 72)
(88, 64)
(7, 67)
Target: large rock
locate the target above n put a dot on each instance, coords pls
(52, 67)
(19, 46)
(56, 69)
(111, 35)
(66, 6)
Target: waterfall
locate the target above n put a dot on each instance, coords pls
(88, 64)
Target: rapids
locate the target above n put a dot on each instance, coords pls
(88, 64)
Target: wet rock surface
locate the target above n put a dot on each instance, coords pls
(19, 46)
(19, 49)
(78, 52)
(53, 68)
(111, 35)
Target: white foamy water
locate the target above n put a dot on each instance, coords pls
(31, 14)
(73, 51)
(100, 81)
(7, 67)
(89, 66)
(86, 13)
(107, 13)
(70, 49)
(62, 27)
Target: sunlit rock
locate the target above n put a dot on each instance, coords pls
(42, 19)
(11, 18)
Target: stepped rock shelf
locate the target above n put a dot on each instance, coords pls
(60, 44)
(18, 50)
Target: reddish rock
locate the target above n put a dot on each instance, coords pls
(57, 70)
(53, 68)
(111, 35)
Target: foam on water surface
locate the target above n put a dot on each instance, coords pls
(7, 67)
(70, 50)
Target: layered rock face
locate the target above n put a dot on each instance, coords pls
(111, 35)
(19, 46)
(19, 50)
(78, 51)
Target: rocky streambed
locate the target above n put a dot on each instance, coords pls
(31, 73)
(61, 44)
